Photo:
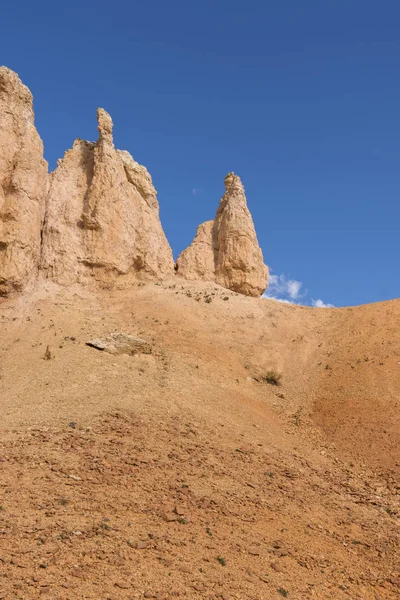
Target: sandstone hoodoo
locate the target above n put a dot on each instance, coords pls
(226, 250)
(102, 216)
(95, 219)
(23, 185)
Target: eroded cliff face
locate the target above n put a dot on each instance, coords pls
(102, 217)
(95, 219)
(226, 250)
(23, 186)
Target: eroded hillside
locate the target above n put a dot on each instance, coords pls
(183, 473)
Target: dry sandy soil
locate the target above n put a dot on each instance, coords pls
(183, 473)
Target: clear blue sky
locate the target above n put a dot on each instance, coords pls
(300, 98)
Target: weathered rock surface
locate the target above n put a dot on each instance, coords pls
(197, 262)
(102, 216)
(96, 217)
(226, 250)
(121, 343)
(23, 185)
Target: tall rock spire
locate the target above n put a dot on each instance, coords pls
(102, 218)
(226, 250)
(23, 185)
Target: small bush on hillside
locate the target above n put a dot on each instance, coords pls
(272, 377)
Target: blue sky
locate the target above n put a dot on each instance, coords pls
(301, 99)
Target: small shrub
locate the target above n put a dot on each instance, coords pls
(48, 355)
(221, 560)
(272, 377)
(283, 592)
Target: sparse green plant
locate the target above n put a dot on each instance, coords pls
(272, 377)
(283, 592)
(182, 521)
(221, 560)
(208, 531)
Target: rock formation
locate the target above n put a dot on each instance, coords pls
(121, 343)
(197, 262)
(226, 250)
(23, 185)
(96, 217)
(102, 216)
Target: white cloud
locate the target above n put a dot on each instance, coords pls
(283, 289)
(293, 288)
(321, 304)
(196, 191)
(291, 291)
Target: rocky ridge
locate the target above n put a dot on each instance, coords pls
(95, 219)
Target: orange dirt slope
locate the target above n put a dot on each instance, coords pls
(182, 473)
